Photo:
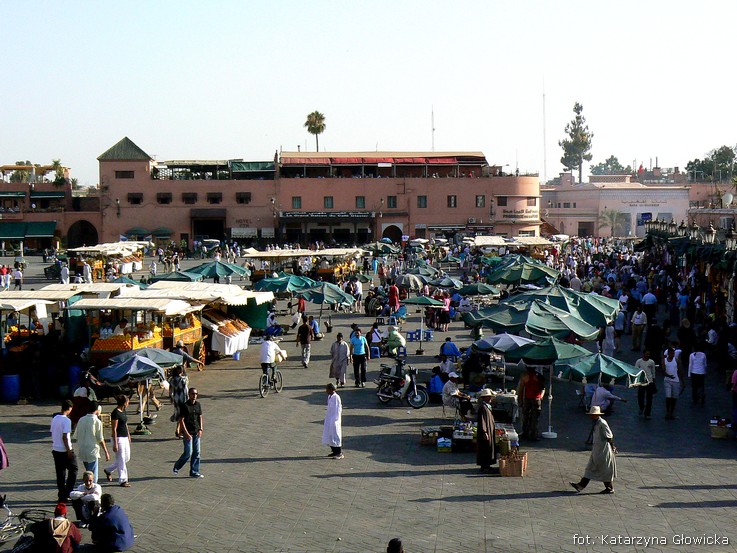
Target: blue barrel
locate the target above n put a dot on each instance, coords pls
(237, 356)
(75, 377)
(10, 388)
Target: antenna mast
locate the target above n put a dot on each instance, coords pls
(432, 125)
(545, 141)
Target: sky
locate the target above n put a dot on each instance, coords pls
(230, 80)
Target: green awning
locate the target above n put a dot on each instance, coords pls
(12, 194)
(48, 195)
(162, 232)
(12, 231)
(136, 231)
(41, 229)
(251, 166)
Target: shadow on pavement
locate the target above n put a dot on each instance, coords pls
(501, 497)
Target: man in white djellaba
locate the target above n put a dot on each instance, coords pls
(332, 433)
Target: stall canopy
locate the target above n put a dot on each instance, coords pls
(177, 276)
(219, 269)
(287, 283)
(478, 289)
(104, 289)
(521, 270)
(166, 306)
(161, 357)
(133, 369)
(229, 294)
(594, 309)
(127, 280)
(500, 343)
(536, 318)
(597, 366)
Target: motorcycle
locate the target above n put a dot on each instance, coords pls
(392, 387)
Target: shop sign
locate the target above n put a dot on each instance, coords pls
(243, 232)
(531, 214)
(326, 214)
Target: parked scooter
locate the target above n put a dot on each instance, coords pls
(400, 382)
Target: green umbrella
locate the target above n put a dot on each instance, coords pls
(546, 352)
(425, 301)
(326, 293)
(478, 289)
(180, 276)
(164, 359)
(536, 317)
(424, 270)
(288, 283)
(127, 280)
(381, 248)
(594, 309)
(500, 343)
(410, 282)
(364, 278)
(521, 273)
(446, 283)
(598, 366)
(450, 259)
(219, 269)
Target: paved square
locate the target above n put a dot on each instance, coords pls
(269, 486)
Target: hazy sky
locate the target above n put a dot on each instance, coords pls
(223, 80)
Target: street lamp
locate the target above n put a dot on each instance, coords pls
(682, 229)
(694, 232)
(672, 228)
(711, 234)
(730, 239)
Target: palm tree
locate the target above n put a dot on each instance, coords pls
(315, 124)
(611, 218)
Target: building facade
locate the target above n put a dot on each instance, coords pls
(591, 209)
(39, 209)
(345, 197)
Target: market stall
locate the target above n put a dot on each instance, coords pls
(229, 334)
(126, 256)
(146, 317)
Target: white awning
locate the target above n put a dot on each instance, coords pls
(482, 241)
(21, 305)
(166, 306)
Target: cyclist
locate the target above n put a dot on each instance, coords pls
(268, 353)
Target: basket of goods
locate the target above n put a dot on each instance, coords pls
(513, 464)
(720, 428)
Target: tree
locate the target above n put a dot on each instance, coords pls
(21, 175)
(613, 219)
(577, 146)
(315, 124)
(717, 165)
(611, 167)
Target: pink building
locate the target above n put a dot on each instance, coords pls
(301, 197)
(39, 209)
(590, 209)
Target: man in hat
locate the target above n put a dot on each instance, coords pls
(486, 432)
(454, 398)
(332, 433)
(56, 534)
(180, 349)
(531, 391)
(602, 465)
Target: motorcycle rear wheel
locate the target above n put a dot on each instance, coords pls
(418, 400)
(386, 389)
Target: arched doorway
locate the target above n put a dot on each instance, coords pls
(393, 233)
(81, 233)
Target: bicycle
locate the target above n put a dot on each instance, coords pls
(266, 382)
(15, 525)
